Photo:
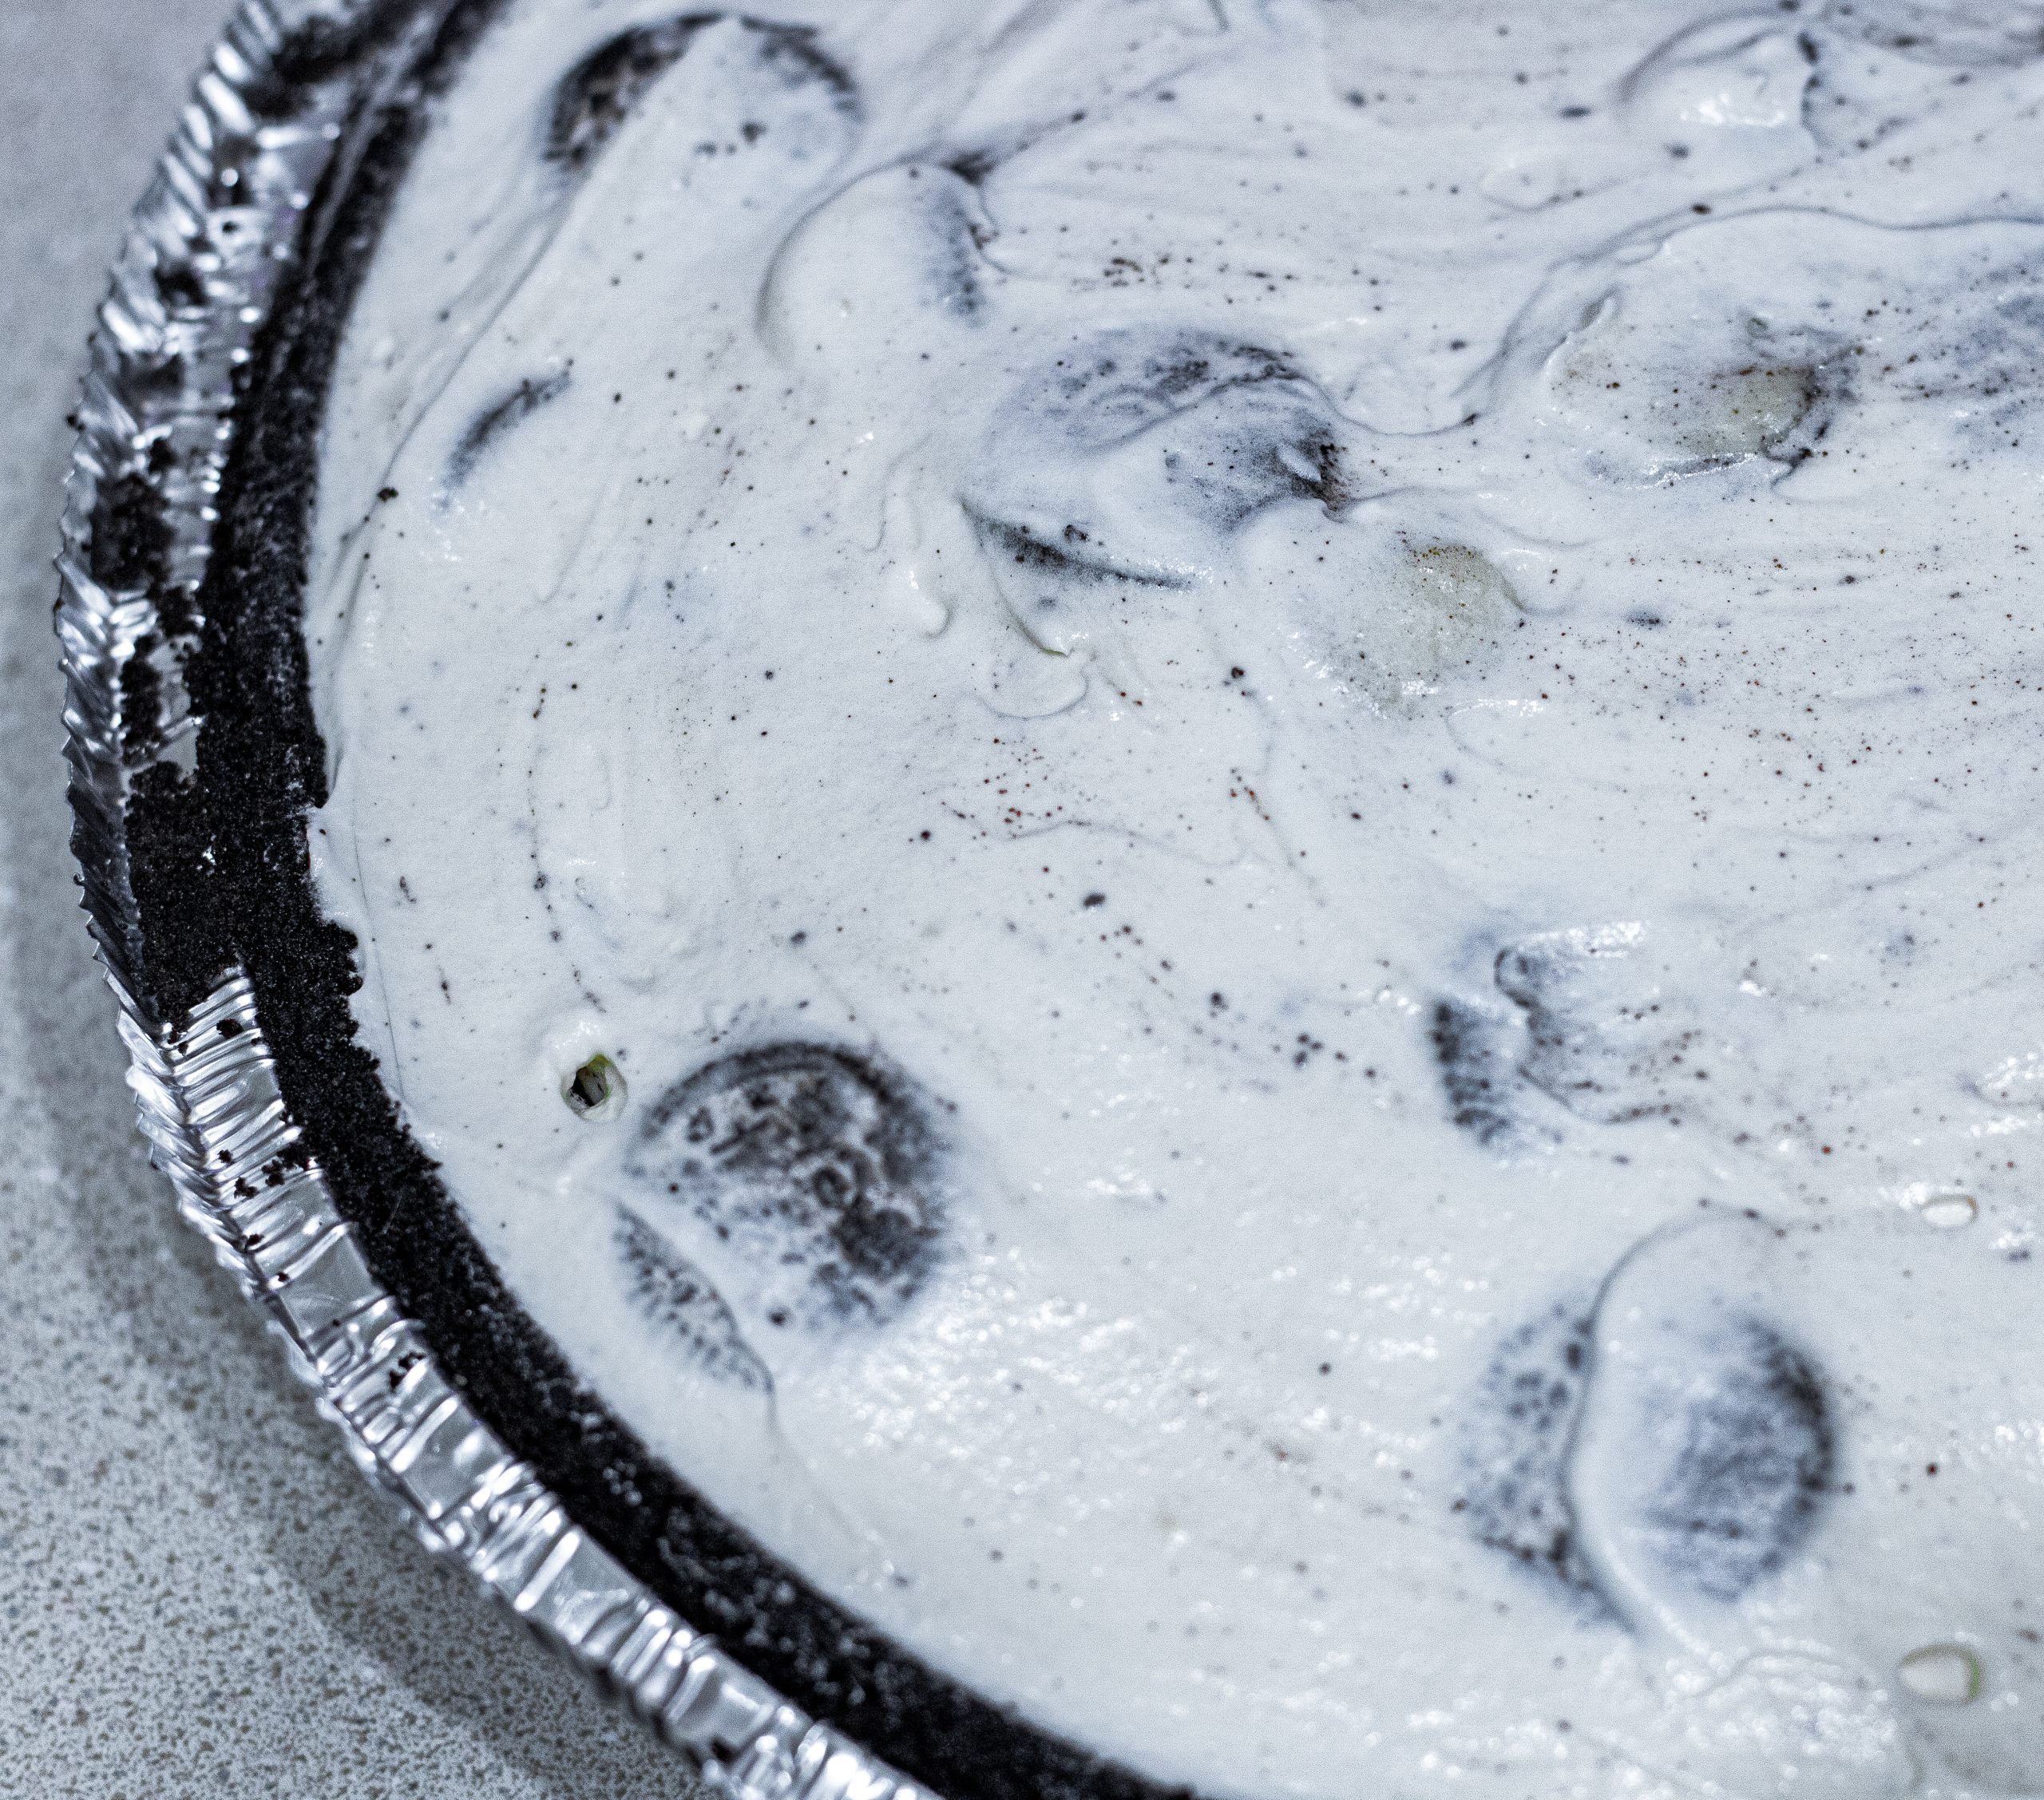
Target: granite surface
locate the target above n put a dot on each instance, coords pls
(199, 1595)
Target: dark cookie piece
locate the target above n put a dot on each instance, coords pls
(523, 401)
(1515, 1440)
(973, 167)
(1050, 570)
(1478, 1070)
(819, 1170)
(1261, 445)
(1054, 588)
(1737, 1494)
(1134, 453)
(1237, 426)
(1126, 381)
(1723, 1457)
(1952, 35)
(599, 95)
(1597, 1039)
(673, 1294)
(1582, 1023)
(959, 236)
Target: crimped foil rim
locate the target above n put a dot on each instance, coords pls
(192, 286)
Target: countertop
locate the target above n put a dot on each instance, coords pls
(201, 1596)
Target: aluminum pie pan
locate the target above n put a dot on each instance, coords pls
(281, 118)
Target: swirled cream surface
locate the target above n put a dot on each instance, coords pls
(1210, 831)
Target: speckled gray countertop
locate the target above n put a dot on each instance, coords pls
(201, 1597)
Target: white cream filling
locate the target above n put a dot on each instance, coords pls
(1393, 653)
